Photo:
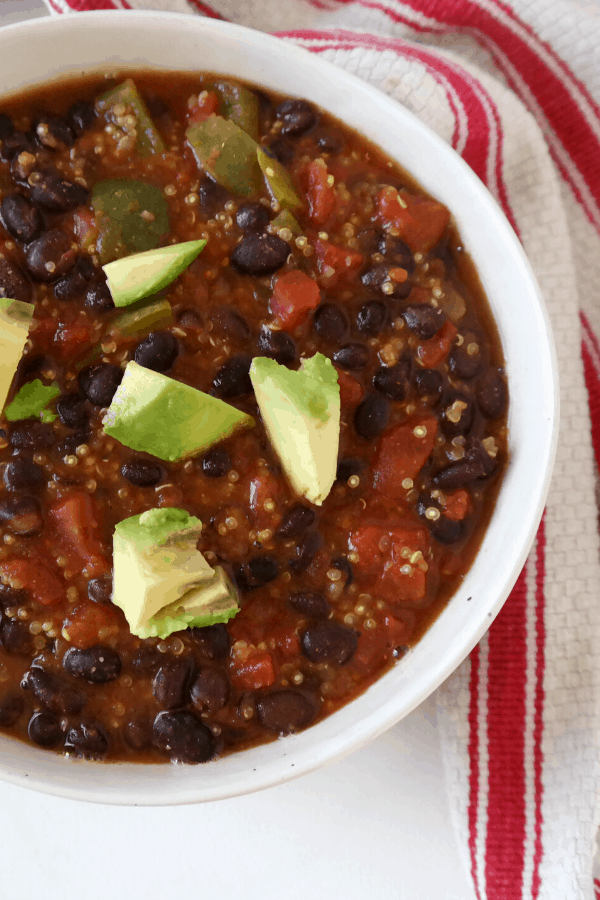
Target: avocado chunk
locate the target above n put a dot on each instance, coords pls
(127, 96)
(279, 182)
(301, 413)
(211, 603)
(155, 414)
(155, 562)
(32, 400)
(15, 321)
(142, 274)
(227, 154)
(132, 217)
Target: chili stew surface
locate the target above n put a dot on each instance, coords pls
(367, 270)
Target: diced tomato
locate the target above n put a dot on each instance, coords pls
(351, 392)
(295, 294)
(396, 555)
(72, 338)
(377, 644)
(207, 105)
(35, 576)
(75, 520)
(401, 453)
(253, 673)
(321, 195)
(286, 640)
(336, 263)
(420, 222)
(91, 624)
(457, 505)
(434, 351)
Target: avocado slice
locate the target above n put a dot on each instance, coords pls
(132, 217)
(15, 321)
(154, 413)
(134, 277)
(211, 603)
(32, 400)
(155, 562)
(301, 413)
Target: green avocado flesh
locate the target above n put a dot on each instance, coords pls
(301, 414)
(132, 217)
(155, 414)
(142, 274)
(15, 321)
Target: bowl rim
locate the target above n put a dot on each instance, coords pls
(296, 755)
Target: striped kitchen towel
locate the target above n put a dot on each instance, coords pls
(514, 88)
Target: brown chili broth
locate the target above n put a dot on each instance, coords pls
(207, 285)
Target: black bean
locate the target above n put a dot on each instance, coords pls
(158, 351)
(31, 434)
(81, 116)
(458, 413)
(330, 140)
(210, 690)
(352, 356)
(232, 379)
(98, 664)
(87, 740)
(54, 693)
(50, 256)
(21, 473)
(7, 127)
(171, 685)
(282, 149)
(463, 365)
(492, 394)
(16, 143)
(11, 708)
(72, 411)
(424, 320)
(69, 445)
(297, 116)
(183, 737)
(475, 465)
(147, 661)
(13, 283)
(259, 254)
(74, 284)
(306, 550)
(11, 597)
(331, 322)
(142, 472)
(20, 218)
(212, 641)
(100, 589)
(445, 531)
(393, 381)
(56, 193)
(277, 345)
(286, 711)
(329, 642)
(428, 383)
(344, 565)
(22, 515)
(44, 729)
(15, 636)
(397, 252)
(256, 572)
(99, 298)
(297, 521)
(368, 240)
(137, 733)
(216, 463)
(379, 274)
(190, 319)
(371, 416)
(311, 604)
(229, 323)
(348, 467)
(99, 382)
(212, 197)
(52, 132)
(372, 317)
(252, 217)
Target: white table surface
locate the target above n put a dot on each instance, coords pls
(376, 825)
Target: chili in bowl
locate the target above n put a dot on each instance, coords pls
(259, 425)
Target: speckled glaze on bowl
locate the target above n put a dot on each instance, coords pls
(73, 45)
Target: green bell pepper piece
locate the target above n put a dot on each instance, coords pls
(286, 220)
(132, 216)
(279, 182)
(227, 154)
(148, 139)
(143, 317)
(239, 105)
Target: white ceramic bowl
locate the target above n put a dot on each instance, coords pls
(52, 49)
